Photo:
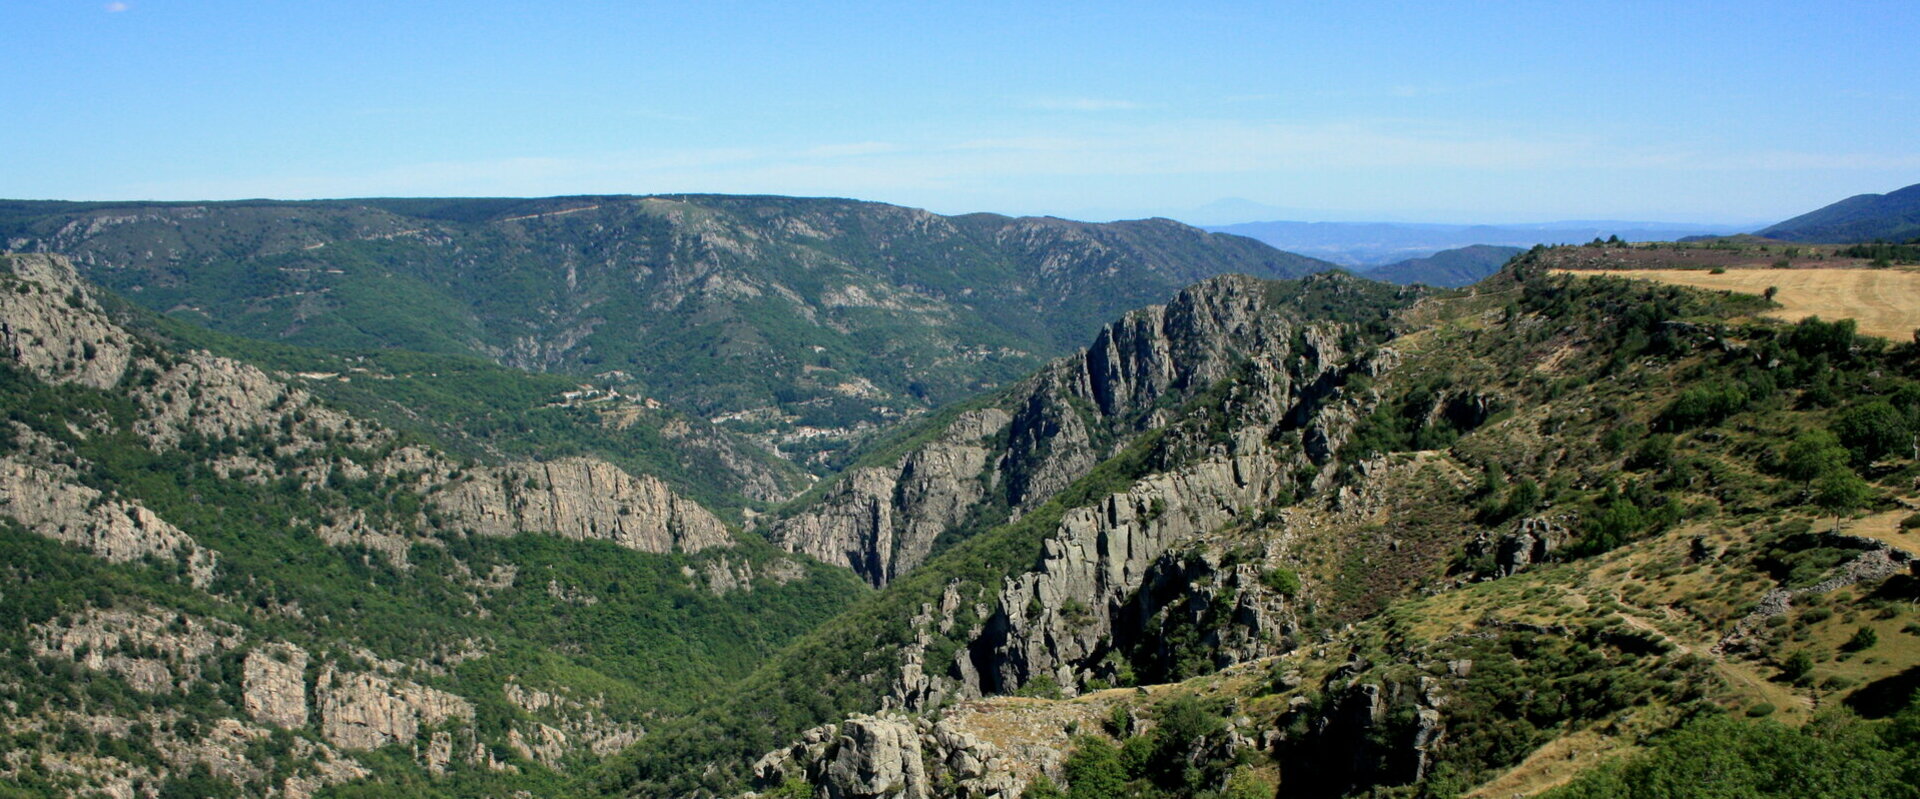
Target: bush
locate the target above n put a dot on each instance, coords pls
(1863, 639)
(1796, 667)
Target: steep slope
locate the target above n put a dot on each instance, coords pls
(1894, 217)
(220, 584)
(805, 321)
(1015, 453)
(1094, 578)
(1510, 533)
(1449, 268)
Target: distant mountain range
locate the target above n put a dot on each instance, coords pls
(1448, 268)
(1367, 244)
(1894, 216)
(803, 320)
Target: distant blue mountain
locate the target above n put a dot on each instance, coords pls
(1369, 244)
(1447, 268)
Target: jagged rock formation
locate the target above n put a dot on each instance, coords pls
(883, 521)
(1058, 618)
(892, 756)
(116, 530)
(1079, 410)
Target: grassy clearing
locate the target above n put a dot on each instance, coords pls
(1885, 302)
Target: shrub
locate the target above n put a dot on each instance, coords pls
(1863, 639)
(1282, 581)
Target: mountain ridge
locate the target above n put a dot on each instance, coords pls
(1893, 217)
(807, 322)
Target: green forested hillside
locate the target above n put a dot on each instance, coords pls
(808, 321)
(1533, 526)
(220, 584)
(1892, 217)
(1448, 268)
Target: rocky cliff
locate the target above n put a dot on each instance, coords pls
(57, 331)
(1079, 410)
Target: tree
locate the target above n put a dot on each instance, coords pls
(1873, 430)
(1812, 453)
(1094, 770)
(1839, 491)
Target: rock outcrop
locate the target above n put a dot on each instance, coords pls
(155, 651)
(51, 325)
(117, 530)
(891, 756)
(359, 710)
(274, 685)
(1058, 619)
(882, 521)
(581, 499)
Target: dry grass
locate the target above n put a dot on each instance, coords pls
(1552, 765)
(1885, 302)
(1885, 527)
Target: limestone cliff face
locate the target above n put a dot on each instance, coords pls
(360, 710)
(892, 756)
(52, 505)
(274, 685)
(882, 521)
(581, 499)
(54, 328)
(51, 324)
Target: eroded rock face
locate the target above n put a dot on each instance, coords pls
(367, 711)
(274, 685)
(891, 756)
(581, 499)
(119, 531)
(155, 651)
(1058, 618)
(882, 521)
(51, 325)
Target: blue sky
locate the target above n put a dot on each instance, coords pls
(1494, 111)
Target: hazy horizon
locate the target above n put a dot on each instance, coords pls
(1688, 112)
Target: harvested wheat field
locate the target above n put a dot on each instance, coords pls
(1885, 302)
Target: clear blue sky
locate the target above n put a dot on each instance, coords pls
(1495, 111)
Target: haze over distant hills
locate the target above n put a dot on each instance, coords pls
(1448, 268)
(1364, 244)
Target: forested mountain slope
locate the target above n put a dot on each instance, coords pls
(805, 321)
(1479, 545)
(220, 584)
(1891, 217)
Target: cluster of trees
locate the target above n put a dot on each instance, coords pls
(1837, 756)
(1183, 756)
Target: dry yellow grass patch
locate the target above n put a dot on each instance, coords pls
(1552, 765)
(1885, 527)
(1885, 302)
